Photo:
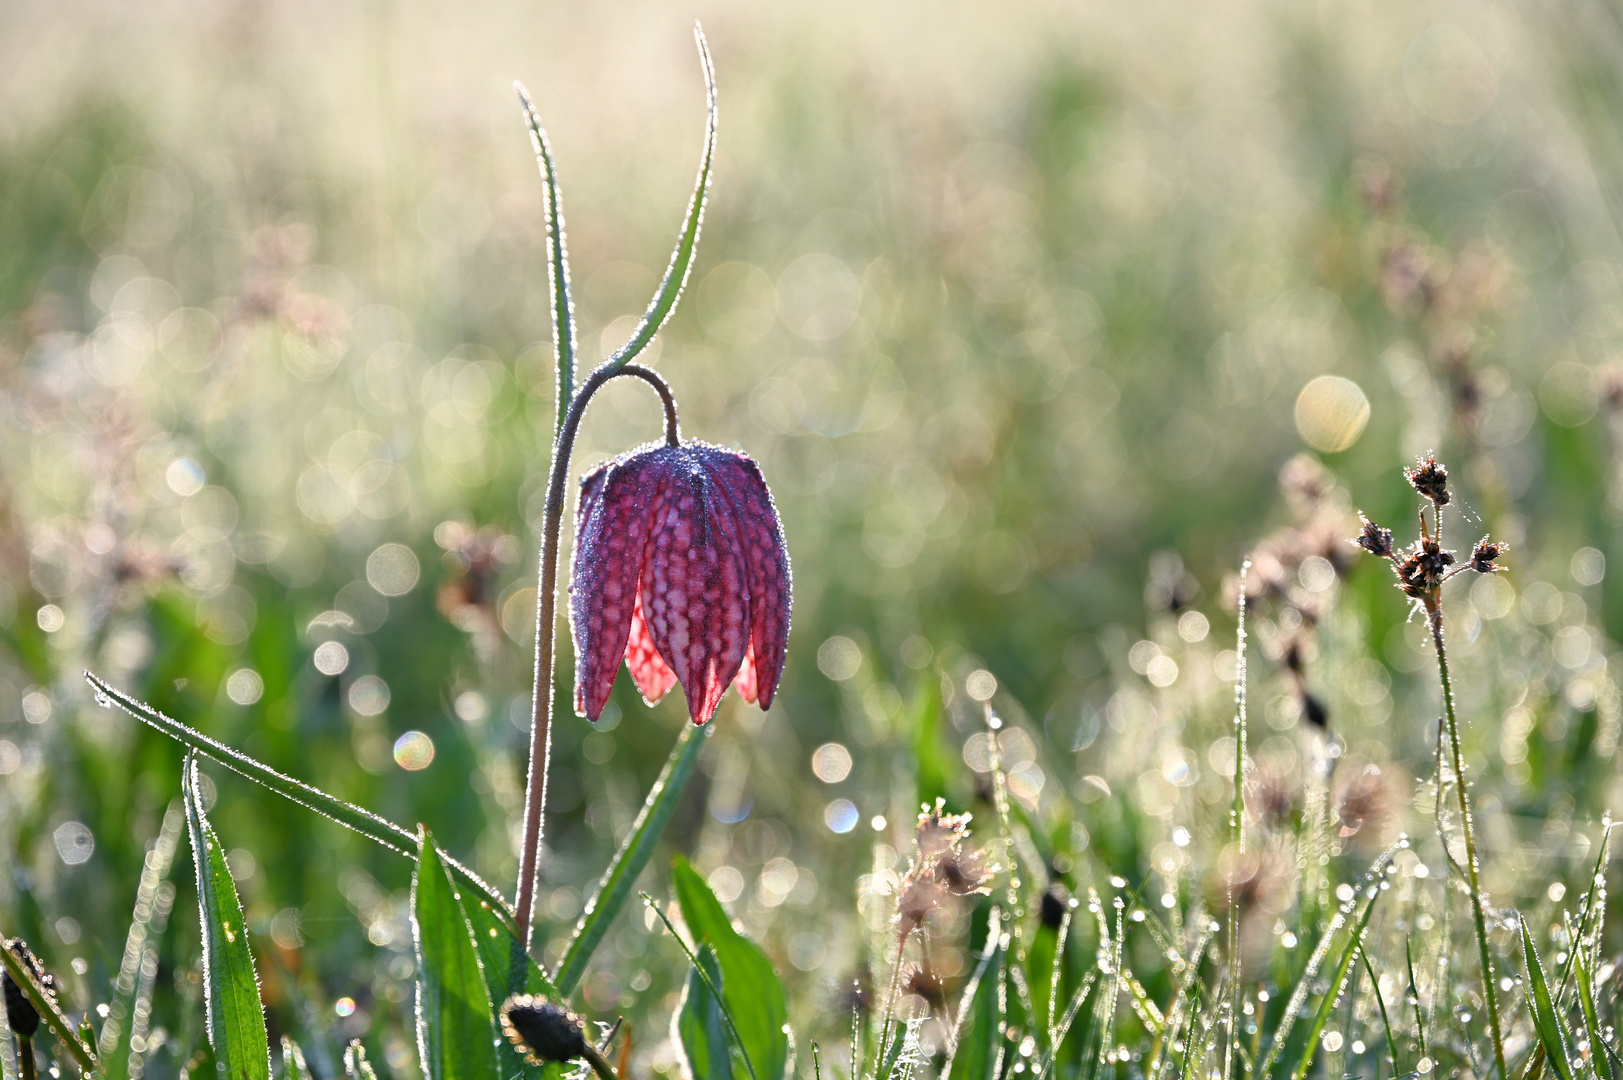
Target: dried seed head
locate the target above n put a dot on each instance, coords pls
(964, 873)
(919, 897)
(1484, 554)
(939, 832)
(1374, 539)
(1053, 906)
(20, 1012)
(1430, 479)
(542, 1031)
(1314, 711)
(1422, 568)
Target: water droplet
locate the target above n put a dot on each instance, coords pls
(104, 699)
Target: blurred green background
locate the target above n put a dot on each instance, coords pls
(1016, 307)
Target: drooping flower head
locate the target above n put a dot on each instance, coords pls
(679, 569)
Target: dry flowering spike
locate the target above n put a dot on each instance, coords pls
(1430, 479)
(1374, 539)
(940, 869)
(679, 569)
(1423, 567)
(1485, 554)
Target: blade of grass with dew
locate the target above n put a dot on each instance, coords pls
(977, 1041)
(1079, 998)
(356, 1067)
(751, 989)
(1304, 983)
(1547, 1023)
(1338, 985)
(1586, 1001)
(50, 1013)
(293, 1063)
(1236, 827)
(563, 305)
(377, 829)
(236, 1017)
(629, 861)
(456, 1037)
(131, 1007)
(1413, 994)
(1056, 971)
(1386, 1019)
(710, 984)
(676, 275)
(1175, 1015)
(701, 1029)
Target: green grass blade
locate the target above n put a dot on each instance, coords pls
(700, 1026)
(676, 275)
(563, 305)
(633, 856)
(977, 1045)
(1337, 985)
(377, 829)
(293, 1064)
(1386, 1019)
(1413, 993)
(236, 1018)
(1552, 1033)
(131, 1006)
(750, 989)
(711, 985)
(1586, 999)
(356, 1067)
(51, 1015)
(456, 1034)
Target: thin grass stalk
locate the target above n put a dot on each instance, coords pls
(1236, 832)
(1489, 994)
(546, 612)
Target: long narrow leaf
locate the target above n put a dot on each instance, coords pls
(621, 877)
(1552, 1033)
(977, 1049)
(676, 275)
(710, 984)
(1597, 1043)
(377, 829)
(701, 1028)
(1337, 984)
(132, 992)
(50, 1012)
(236, 1018)
(563, 305)
(750, 990)
(456, 1034)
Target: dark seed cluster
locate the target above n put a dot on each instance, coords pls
(20, 1012)
(543, 1031)
(1424, 565)
(1429, 478)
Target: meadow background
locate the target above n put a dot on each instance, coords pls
(1014, 306)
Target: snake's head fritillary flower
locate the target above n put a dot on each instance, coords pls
(680, 570)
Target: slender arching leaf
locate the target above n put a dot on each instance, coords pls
(236, 1018)
(634, 853)
(456, 1032)
(377, 829)
(751, 989)
(701, 1028)
(130, 1009)
(563, 305)
(1552, 1031)
(50, 1013)
(293, 1064)
(676, 275)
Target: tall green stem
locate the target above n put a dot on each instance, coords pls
(1435, 614)
(541, 705)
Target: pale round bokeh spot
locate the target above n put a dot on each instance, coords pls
(1331, 413)
(1588, 566)
(831, 762)
(981, 684)
(839, 658)
(1448, 76)
(369, 695)
(245, 686)
(331, 658)
(393, 569)
(413, 751)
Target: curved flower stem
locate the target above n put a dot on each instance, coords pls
(1434, 612)
(541, 705)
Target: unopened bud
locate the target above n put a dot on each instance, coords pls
(543, 1031)
(20, 1012)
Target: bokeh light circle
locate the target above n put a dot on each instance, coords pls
(413, 751)
(1331, 413)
